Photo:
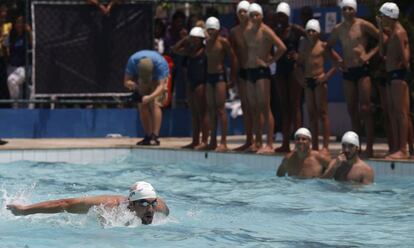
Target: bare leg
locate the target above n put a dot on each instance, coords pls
(364, 86)
(247, 115)
(222, 115)
(201, 103)
(282, 88)
(263, 93)
(256, 120)
(400, 103)
(295, 93)
(313, 117)
(322, 112)
(195, 128)
(351, 97)
(212, 115)
(386, 110)
(145, 116)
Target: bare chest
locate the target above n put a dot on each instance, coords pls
(308, 168)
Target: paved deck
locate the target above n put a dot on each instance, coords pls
(166, 143)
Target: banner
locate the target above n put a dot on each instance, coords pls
(78, 51)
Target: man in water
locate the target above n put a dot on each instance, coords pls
(303, 162)
(142, 200)
(353, 34)
(147, 74)
(348, 166)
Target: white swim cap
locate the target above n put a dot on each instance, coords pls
(349, 3)
(350, 138)
(197, 32)
(283, 8)
(254, 7)
(303, 131)
(313, 24)
(243, 5)
(390, 9)
(141, 190)
(213, 23)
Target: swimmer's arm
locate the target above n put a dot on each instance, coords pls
(70, 205)
(372, 31)
(405, 48)
(162, 207)
(282, 170)
(382, 37)
(335, 58)
(301, 54)
(129, 83)
(233, 60)
(324, 160)
(276, 41)
(333, 38)
(179, 47)
(330, 170)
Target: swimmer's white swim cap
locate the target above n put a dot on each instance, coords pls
(349, 3)
(313, 24)
(254, 7)
(141, 190)
(243, 5)
(197, 32)
(283, 8)
(303, 131)
(350, 138)
(390, 9)
(213, 23)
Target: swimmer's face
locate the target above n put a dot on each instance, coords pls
(144, 209)
(348, 12)
(386, 21)
(242, 15)
(349, 150)
(256, 17)
(19, 24)
(282, 22)
(312, 34)
(212, 32)
(302, 143)
(196, 41)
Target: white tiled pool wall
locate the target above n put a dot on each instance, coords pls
(100, 155)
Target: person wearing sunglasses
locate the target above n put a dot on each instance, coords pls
(303, 162)
(142, 200)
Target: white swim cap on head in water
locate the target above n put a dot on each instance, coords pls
(283, 8)
(390, 9)
(303, 131)
(243, 5)
(141, 190)
(350, 138)
(254, 7)
(313, 24)
(197, 32)
(213, 23)
(349, 3)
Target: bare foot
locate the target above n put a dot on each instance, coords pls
(192, 145)
(282, 149)
(221, 148)
(243, 147)
(398, 155)
(211, 147)
(252, 148)
(201, 146)
(267, 149)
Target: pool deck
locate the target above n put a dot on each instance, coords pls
(129, 143)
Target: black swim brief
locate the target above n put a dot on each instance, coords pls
(401, 74)
(311, 83)
(243, 73)
(354, 74)
(254, 74)
(214, 78)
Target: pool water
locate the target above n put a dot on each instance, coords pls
(227, 205)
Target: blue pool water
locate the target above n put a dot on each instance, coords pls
(232, 205)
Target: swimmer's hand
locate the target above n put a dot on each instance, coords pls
(130, 85)
(321, 79)
(17, 209)
(146, 99)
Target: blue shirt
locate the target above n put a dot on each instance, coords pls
(160, 70)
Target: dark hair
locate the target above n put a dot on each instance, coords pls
(179, 14)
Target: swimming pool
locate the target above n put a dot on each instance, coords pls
(236, 204)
